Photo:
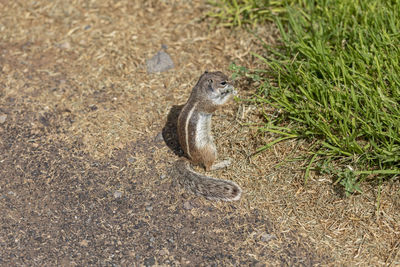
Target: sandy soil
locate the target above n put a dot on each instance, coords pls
(87, 142)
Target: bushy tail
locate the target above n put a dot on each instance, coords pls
(208, 187)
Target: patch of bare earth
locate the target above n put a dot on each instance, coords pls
(87, 143)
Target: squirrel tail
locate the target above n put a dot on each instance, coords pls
(208, 187)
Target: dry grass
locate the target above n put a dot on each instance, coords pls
(92, 55)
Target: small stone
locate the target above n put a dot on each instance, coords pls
(3, 118)
(162, 176)
(84, 243)
(149, 262)
(187, 205)
(93, 107)
(65, 45)
(267, 237)
(131, 160)
(159, 137)
(160, 62)
(259, 264)
(117, 194)
(149, 208)
(163, 252)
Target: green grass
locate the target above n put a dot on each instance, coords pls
(336, 77)
(238, 13)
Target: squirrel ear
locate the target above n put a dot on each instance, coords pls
(210, 82)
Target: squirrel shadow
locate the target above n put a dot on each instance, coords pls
(169, 131)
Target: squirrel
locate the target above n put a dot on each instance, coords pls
(194, 132)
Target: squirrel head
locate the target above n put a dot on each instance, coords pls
(214, 88)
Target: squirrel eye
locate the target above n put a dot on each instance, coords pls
(223, 83)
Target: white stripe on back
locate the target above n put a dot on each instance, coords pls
(187, 127)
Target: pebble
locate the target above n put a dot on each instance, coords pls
(160, 62)
(149, 208)
(187, 205)
(84, 243)
(93, 107)
(267, 237)
(149, 261)
(65, 45)
(117, 194)
(159, 137)
(163, 252)
(259, 264)
(3, 118)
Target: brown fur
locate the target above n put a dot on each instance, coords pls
(205, 157)
(194, 131)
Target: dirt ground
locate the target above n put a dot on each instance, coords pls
(87, 143)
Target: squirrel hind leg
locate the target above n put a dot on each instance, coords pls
(205, 157)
